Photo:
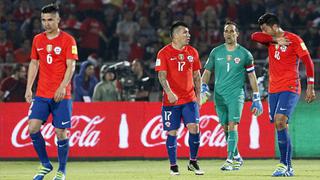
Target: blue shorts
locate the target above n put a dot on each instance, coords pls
(41, 108)
(171, 115)
(282, 103)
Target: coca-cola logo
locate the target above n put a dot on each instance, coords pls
(211, 132)
(83, 132)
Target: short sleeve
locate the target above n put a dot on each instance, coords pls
(34, 53)
(210, 61)
(161, 62)
(249, 58)
(299, 47)
(72, 50)
(197, 62)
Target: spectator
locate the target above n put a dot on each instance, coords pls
(6, 46)
(12, 88)
(106, 89)
(84, 82)
(22, 55)
(143, 83)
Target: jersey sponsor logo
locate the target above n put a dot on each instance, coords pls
(49, 48)
(57, 50)
(190, 58)
(181, 57)
(303, 46)
(237, 60)
(74, 50)
(158, 62)
(39, 49)
(173, 58)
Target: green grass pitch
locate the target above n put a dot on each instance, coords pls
(157, 169)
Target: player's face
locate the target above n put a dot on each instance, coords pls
(50, 21)
(230, 34)
(268, 29)
(182, 35)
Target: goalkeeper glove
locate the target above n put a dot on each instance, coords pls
(256, 107)
(205, 94)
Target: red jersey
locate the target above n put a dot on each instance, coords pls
(53, 55)
(180, 65)
(284, 64)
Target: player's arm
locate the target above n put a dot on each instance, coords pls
(61, 91)
(197, 85)
(256, 107)
(307, 61)
(32, 73)
(162, 75)
(267, 39)
(204, 86)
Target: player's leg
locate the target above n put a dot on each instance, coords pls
(237, 157)
(61, 112)
(38, 114)
(171, 119)
(190, 113)
(286, 104)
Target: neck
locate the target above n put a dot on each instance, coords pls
(231, 47)
(280, 32)
(53, 34)
(176, 45)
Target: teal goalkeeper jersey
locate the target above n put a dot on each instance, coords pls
(229, 69)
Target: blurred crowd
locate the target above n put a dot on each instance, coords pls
(118, 40)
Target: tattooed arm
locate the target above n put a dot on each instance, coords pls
(197, 84)
(162, 75)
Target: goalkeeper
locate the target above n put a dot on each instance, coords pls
(229, 62)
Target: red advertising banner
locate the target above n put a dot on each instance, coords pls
(131, 129)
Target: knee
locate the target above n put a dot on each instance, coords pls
(172, 133)
(232, 126)
(33, 127)
(281, 121)
(61, 133)
(193, 128)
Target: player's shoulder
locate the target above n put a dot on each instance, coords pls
(39, 36)
(292, 36)
(189, 47)
(164, 50)
(219, 48)
(243, 49)
(66, 35)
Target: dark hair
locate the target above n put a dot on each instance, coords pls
(269, 19)
(229, 22)
(50, 8)
(17, 68)
(175, 25)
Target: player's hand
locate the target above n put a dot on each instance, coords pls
(28, 96)
(59, 94)
(256, 107)
(172, 97)
(283, 41)
(310, 94)
(205, 94)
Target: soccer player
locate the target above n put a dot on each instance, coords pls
(178, 67)
(229, 62)
(54, 53)
(285, 51)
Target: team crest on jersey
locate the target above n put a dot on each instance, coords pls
(237, 60)
(167, 124)
(190, 58)
(181, 57)
(57, 50)
(49, 48)
(229, 57)
(283, 48)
